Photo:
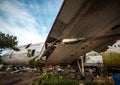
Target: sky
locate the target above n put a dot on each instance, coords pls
(29, 20)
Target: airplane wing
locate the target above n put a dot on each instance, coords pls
(82, 26)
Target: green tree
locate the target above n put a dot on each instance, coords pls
(8, 41)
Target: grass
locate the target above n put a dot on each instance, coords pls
(52, 79)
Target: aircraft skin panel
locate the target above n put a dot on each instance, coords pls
(96, 21)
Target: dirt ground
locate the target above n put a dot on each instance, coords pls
(7, 78)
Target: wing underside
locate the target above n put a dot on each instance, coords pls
(96, 21)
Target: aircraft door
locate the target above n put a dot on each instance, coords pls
(33, 52)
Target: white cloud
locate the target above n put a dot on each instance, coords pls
(17, 17)
(29, 22)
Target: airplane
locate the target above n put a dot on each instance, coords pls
(81, 26)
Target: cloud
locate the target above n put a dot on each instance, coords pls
(30, 21)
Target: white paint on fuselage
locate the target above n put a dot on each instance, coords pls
(21, 57)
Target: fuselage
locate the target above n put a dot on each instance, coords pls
(22, 57)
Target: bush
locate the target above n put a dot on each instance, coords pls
(52, 79)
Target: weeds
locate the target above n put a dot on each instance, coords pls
(52, 79)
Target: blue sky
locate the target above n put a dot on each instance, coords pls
(29, 20)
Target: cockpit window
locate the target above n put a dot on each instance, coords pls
(28, 46)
